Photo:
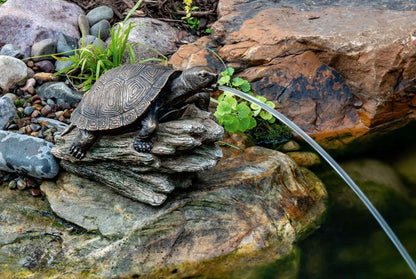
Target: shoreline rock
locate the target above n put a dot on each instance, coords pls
(339, 70)
(255, 203)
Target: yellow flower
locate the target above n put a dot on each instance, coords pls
(188, 3)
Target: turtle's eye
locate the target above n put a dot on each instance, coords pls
(203, 74)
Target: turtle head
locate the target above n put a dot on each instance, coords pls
(199, 77)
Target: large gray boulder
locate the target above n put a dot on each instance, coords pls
(25, 22)
(181, 148)
(150, 33)
(27, 155)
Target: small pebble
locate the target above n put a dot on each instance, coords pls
(30, 72)
(101, 29)
(34, 134)
(45, 66)
(291, 146)
(21, 184)
(35, 127)
(31, 90)
(35, 192)
(37, 106)
(35, 114)
(28, 110)
(67, 113)
(64, 106)
(20, 109)
(34, 98)
(304, 159)
(13, 127)
(28, 130)
(358, 104)
(59, 113)
(84, 25)
(30, 182)
(46, 110)
(99, 13)
(30, 83)
(50, 102)
(12, 184)
(30, 64)
(45, 77)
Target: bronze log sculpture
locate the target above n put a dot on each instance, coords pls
(137, 97)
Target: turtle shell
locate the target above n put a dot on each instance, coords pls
(120, 96)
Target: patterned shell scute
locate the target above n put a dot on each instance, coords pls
(120, 96)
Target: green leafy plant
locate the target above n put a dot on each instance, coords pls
(235, 114)
(90, 62)
(193, 22)
(2, 1)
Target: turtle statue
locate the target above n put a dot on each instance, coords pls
(137, 97)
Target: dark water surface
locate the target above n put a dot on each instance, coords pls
(350, 244)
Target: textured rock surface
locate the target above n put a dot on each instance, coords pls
(12, 70)
(25, 22)
(338, 69)
(7, 111)
(152, 33)
(181, 148)
(27, 155)
(252, 207)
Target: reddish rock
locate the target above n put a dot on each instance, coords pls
(339, 72)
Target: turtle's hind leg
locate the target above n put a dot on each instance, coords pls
(84, 140)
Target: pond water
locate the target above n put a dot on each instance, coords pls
(351, 244)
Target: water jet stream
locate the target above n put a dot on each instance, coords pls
(336, 167)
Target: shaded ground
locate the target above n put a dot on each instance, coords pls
(170, 11)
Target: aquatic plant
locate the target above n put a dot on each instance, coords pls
(236, 115)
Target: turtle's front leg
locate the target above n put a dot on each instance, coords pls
(84, 140)
(201, 100)
(148, 125)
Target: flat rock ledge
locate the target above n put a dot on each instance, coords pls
(181, 148)
(247, 211)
